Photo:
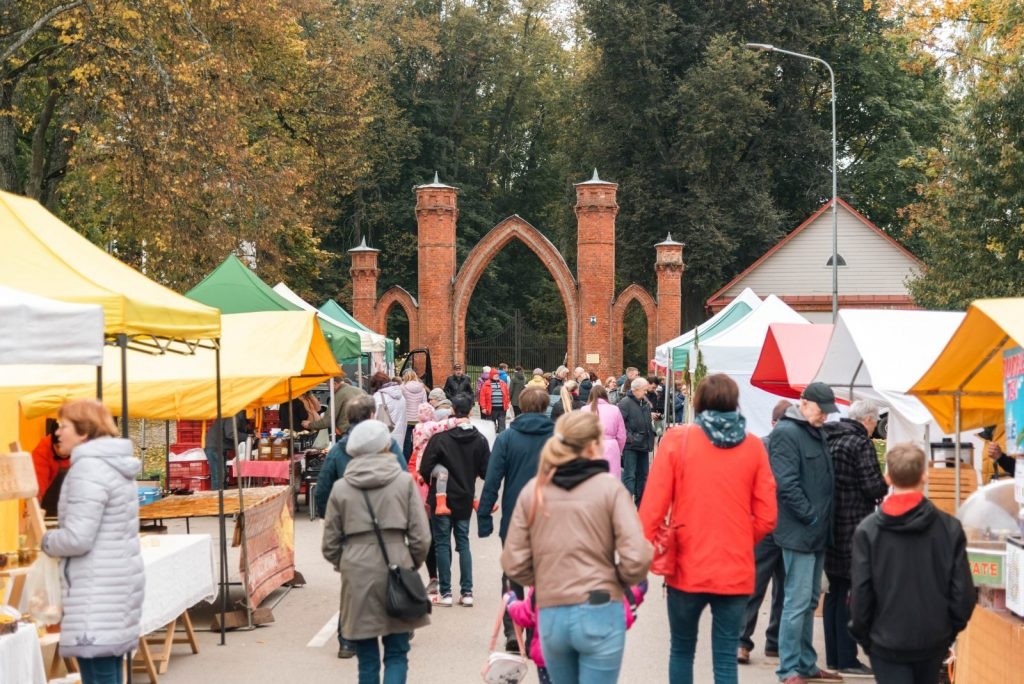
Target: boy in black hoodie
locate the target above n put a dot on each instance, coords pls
(912, 589)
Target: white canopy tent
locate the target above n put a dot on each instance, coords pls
(38, 330)
(879, 354)
(369, 342)
(678, 349)
(735, 352)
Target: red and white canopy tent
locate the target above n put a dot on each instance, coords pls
(791, 355)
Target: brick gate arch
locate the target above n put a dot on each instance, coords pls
(514, 227)
(634, 293)
(399, 296)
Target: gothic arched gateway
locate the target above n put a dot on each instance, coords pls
(593, 314)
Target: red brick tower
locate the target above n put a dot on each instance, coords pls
(436, 215)
(364, 274)
(669, 266)
(595, 273)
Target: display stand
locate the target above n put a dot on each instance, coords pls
(18, 482)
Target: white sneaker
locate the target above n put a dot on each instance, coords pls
(466, 600)
(445, 601)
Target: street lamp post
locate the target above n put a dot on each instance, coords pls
(764, 47)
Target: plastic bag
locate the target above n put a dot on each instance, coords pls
(42, 598)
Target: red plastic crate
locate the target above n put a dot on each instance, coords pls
(189, 469)
(182, 447)
(271, 419)
(189, 431)
(196, 484)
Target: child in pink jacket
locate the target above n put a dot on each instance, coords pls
(524, 614)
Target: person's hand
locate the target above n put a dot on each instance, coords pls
(484, 525)
(993, 451)
(510, 598)
(305, 424)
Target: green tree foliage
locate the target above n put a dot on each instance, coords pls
(969, 216)
(729, 149)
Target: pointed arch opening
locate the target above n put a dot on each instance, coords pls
(397, 296)
(469, 275)
(627, 322)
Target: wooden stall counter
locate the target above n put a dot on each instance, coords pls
(991, 649)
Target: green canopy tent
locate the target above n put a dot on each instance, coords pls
(232, 287)
(337, 312)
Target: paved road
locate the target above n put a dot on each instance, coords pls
(300, 645)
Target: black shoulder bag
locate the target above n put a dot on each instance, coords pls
(406, 596)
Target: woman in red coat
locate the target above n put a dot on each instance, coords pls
(714, 481)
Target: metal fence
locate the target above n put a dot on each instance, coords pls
(517, 343)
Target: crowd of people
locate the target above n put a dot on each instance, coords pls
(582, 505)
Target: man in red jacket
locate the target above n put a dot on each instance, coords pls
(494, 401)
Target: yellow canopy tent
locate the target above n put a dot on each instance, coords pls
(261, 355)
(963, 389)
(44, 256)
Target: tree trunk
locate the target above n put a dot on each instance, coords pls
(38, 167)
(8, 139)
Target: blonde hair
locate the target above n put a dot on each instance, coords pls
(574, 432)
(409, 375)
(90, 418)
(566, 394)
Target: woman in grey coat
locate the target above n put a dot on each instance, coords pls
(98, 543)
(351, 546)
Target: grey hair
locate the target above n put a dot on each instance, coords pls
(862, 409)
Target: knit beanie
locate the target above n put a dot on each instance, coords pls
(436, 394)
(368, 437)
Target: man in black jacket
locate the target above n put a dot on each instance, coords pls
(912, 588)
(636, 414)
(859, 488)
(464, 452)
(457, 383)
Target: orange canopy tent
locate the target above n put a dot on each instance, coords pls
(790, 357)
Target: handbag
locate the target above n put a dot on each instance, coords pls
(383, 415)
(664, 561)
(502, 667)
(406, 595)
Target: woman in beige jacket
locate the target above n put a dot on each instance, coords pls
(569, 524)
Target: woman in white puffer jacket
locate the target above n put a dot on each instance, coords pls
(98, 543)
(415, 394)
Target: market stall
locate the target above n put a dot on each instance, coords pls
(879, 354)
(966, 387)
(675, 354)
(790, 357)
(338, 313)
(735, 352)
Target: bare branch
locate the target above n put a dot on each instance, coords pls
(31, 31)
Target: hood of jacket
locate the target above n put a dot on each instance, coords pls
(412, 388)
(463, 433)
(845, 427)
(393, 390)
(725, 429)
(116, 452)
(372, 471)
(916, 519)
(574, 473)
(533, 424)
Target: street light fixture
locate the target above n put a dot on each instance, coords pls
(836, 260)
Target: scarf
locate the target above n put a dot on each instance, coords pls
(575, 472)
(725, 429)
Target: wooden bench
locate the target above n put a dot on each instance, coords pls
(941, 486)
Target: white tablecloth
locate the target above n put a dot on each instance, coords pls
(179, 574)
(21, 661)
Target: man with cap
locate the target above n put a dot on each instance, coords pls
(457, 383)
(538, 379)
(636, 461)
(800, 459)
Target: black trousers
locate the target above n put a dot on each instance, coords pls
(919, 672)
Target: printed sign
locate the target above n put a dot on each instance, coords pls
(1013, 396)
(269, 546)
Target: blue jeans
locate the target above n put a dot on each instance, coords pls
(105, 670)
(216, 463)
(684, 610)
(443, 526)
(767, 566)
(840, 647)
(635, 465)
(796, 634)
(583, 643)
(396, 659)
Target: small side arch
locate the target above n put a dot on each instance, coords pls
(633, 293)
(480, 257)
(399, 296)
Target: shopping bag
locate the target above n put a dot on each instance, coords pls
(501, 667)
(383, 415)
(42, 597)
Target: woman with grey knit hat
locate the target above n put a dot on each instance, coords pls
(351, 546)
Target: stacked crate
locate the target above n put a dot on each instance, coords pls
(194, 475)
